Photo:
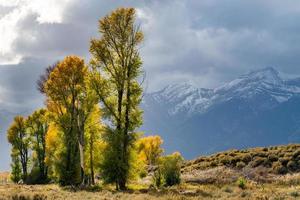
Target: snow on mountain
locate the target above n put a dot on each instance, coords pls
(256, 109)
(190, 99)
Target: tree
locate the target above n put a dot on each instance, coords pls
(117, 67)
(44, 77)
(169, 170)
(149, 149)
(37, 126)
(170, 167)
(55, 151)
(16, 171)
(19, 140)
(70, 102)
(95, 144)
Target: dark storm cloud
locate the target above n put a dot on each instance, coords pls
(18, 86)
(205, 42)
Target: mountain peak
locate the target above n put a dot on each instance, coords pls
(268, 75)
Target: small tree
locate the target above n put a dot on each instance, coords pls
(170, 167)
(37, 126)
(149, 149)
(16, 171)
(19, 139)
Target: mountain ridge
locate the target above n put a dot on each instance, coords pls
(228, 116)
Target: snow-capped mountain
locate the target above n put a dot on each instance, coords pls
(258, 108)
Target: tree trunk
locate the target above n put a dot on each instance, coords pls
(81, 152)
(92, 161)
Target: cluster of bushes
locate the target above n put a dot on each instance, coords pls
(168, 171)
(277, 159)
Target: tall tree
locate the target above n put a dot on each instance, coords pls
(19, 139)
(117, 67)
(71, 102)
(37, 125)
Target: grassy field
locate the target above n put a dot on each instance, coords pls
(214, 183)
(234, 174)
(184, 191)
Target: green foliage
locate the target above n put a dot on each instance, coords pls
(34, 177)
(149, 149)
(116, 68)
(158, 180)
(112, 168)
(16, 171)
(241, 183)
(37, 126)
(19, 139)
(279, 168)
(295, 194)
(170, 167)
(260, 161)
(95, 146)
(292, 165)
(70, 102)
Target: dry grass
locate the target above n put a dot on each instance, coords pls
(4, 177)
(183, 191)
(276, 159)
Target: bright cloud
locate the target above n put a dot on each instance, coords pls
(46, 11)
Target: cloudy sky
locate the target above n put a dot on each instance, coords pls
(205, 42)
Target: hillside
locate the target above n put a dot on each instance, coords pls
(255, 173)
(261, 164)
(256, 109)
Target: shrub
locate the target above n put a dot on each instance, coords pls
(278, 168)
(34, 177)
(213, 164)
(272, 157)
(296, 154)
(265, 149)
(240, 165)
(225, 160)
(241, 182)
(157, 179)
(258, 161)
(292, 165)
(16, 173)
(294, 194)
(143, 174)
(39, 197)
(228, 190)
(246, 158)
(25, 197)
(284, 160)
(170, 167)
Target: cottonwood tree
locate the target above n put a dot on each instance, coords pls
(19, 139)
(37, 125)
(94, 143)
(117, 67)
(16, 171)
(149, 149)
(70, 102)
